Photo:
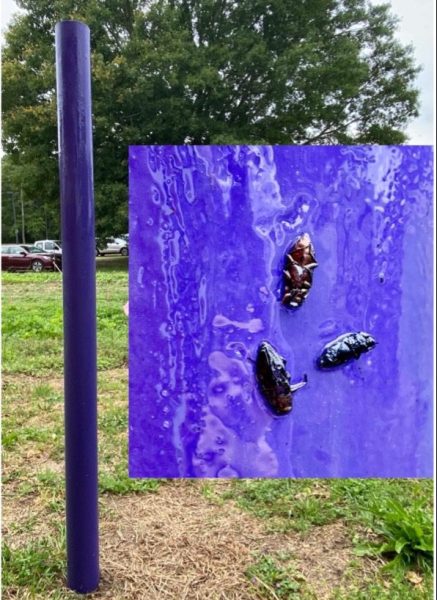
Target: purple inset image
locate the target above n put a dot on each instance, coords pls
(210, 228)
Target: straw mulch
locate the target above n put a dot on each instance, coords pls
(176, 545)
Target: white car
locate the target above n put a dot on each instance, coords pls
(112, 245)
(52, 246)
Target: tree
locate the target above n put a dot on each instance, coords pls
(205, 72)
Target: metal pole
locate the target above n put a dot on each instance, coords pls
(79, 291)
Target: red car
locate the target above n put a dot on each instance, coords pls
(19, 258)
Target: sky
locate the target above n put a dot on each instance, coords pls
(416, 28)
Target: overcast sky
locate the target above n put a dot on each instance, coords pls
(416, 28)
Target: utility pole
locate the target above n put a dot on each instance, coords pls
(14, 215)
(23, 235)
(45, 220)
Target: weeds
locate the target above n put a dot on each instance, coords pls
(407, 534)
(274, 581)
(36, 566)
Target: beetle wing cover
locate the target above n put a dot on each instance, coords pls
(273, 378)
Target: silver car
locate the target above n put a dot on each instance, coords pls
(52, 246)
(112, 245)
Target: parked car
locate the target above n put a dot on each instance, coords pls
(17, 258)
(111, 245)
(49, 245)
(57, 256)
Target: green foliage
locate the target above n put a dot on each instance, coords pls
(36, 566)
(407, 533)
(273, 580)
(198, 72)
(118, 482)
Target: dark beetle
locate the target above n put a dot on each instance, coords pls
(274, 380)
(297, 279)
(344, 349)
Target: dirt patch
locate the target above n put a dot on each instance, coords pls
(22, 288)
(323, 557)
(25, 379)
(177, 545)
(118, 374)
(174, 544)
(28, 521)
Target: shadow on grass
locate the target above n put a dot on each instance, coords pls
(112, 263)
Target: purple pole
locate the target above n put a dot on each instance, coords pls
(79, 291)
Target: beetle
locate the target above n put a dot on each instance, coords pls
(345, 348)
(273, 379)
(297, 279)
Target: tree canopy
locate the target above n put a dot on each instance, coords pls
(198, 72)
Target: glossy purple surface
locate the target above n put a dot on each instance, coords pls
(209, 226)
(73, 82)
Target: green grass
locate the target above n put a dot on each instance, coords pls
(397, 512)
(394, 588)
(285, 504)
(32, 322)
(44, 395)
(32, 346)
(273, 580)
(33, 415)
(298, 504)
(36, 566)
(118, 482)
(25, 434)
(113, 264)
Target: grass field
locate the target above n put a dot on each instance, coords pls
(248, 539)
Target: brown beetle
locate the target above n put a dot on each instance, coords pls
(298, 272)
(274, 380)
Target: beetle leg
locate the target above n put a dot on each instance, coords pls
(285, 300)
(287, 274)
(297, 386)
(312, 265)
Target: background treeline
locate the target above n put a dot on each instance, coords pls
(197, 72)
